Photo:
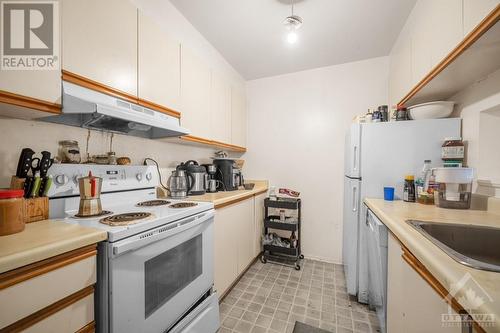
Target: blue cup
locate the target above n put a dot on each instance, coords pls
(389, 193)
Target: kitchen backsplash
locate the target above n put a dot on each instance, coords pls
(39, 136)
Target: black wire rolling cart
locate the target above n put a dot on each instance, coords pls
(276, 253)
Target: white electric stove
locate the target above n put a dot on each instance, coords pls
(155, 271)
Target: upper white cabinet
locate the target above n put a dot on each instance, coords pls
(238, 117)
(400, 69)
(475, 11)
(159, 66)
(447, 27)
(99, 42)
(220, 108)
(195, 94)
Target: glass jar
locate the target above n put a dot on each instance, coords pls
(11, 211)
(453, 150)
(69, 151)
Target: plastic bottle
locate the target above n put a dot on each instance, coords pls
(409, 189)
(422, 183)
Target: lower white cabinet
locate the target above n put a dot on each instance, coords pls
(259, 222)
(235, 240)
(412, 305)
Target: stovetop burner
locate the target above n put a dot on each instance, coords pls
(103, 213)
(183, 205)
(125, 219)
(151, 203)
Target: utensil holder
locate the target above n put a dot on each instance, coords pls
(35, 209)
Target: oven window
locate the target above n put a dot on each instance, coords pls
(170, 272)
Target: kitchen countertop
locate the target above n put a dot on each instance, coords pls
(224, 198)
(42, 240)
(445, 269)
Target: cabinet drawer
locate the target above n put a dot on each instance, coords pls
(67, 320)
(22, 299)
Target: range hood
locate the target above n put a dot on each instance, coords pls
(90, 109)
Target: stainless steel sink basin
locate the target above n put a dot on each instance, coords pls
(471, 245)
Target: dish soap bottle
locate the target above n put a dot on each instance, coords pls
(409, 189)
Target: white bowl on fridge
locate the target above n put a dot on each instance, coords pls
(431, 110)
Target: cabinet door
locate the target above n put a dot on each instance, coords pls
(100, 42)
(447, 28)
(220, 108)
(400, 68)
(412, 305)
(195, 94)
(422, 33)
(225, 249)
(44, 85)
(475, 11)
(159, 65)
(244, 212)
(259, 222)
(239, 117)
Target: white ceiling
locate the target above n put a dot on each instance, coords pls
(250, 34)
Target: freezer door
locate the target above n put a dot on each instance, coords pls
(350, 233)
(352, 152)
(395, 149)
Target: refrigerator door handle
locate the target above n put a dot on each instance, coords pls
(354, 198)
(354, 158)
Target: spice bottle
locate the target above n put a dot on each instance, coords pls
(409, 189)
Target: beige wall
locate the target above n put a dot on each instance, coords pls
(17, 134)
(296, 125)
(477, 106)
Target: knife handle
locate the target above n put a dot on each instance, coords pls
(28, 185)
(36, 186)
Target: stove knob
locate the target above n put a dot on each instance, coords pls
(138, 176)
(76, 177)
(61, 179)
(149, 176)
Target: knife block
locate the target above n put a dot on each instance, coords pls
(35, 209)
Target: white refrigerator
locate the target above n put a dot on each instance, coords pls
(378, 155)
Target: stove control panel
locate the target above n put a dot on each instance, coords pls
(114, 177)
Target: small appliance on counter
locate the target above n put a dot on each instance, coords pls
(197, 177)
(454, 187)
(226, 174)
(90, 196)
(178, 184)
(211, 178)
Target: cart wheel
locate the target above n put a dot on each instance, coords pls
(301, 256)
(263, 259)
(297, 267)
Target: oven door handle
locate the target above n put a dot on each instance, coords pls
(159, 233)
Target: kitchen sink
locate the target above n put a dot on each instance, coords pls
(471, 245)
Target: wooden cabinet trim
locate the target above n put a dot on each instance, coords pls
(89, 328)
(232, 202)
(421, 270)
(29, 102)
(48, 311)
(159, 108)
(16, 276)
(102, 88)
(196, 139)
(470, 39)
(99, 87)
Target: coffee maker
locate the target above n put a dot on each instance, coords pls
(211, 185)
(90, 196)
(225, 174)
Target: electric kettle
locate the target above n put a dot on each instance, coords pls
(179, 184)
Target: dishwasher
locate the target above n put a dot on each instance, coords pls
(376, 258)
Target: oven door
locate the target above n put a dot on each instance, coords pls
(156, 276)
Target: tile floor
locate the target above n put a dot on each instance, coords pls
(270, 298)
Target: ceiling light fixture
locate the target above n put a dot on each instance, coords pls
(292, 23)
